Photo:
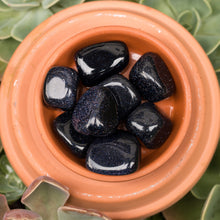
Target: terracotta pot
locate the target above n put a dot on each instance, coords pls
(166, 174)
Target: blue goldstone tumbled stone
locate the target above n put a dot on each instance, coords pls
(99, 61)
(76, 142)
(149, 125)
(96, 112)
(127, 97)
(152, 78)
(60, 87)
(116, 154)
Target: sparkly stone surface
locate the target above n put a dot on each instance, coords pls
(152, 78)
(116, 154)
(96, 112)
(127, 97)
(76, 142)
(60, 88)
(99, 61)
(148, 124)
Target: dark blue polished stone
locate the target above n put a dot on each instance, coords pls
(96, 112)
(116, 154)
(76, 142)
(148, 124)
(152, 78)
(99, 61)
(127, 97)
(60, 87)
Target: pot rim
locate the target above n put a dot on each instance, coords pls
(180, 172)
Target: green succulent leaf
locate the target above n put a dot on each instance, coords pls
(56, 8)
(160, 5)
(62, 4)
(48, 192)
(1, 147)
(66, 4)
(202, 6)
(21, 4)
(48, 3)
(190, 19)
(209, 42)
(8, 46)
(211, 210)
(211, 177)
(29, 22)
(71, 213)
(215, 6)
(158, 216)
(2, 70)
(4, 7)
(215, 59)
(4, 186)
(10, 184)
(21, 214)
(187, 208)
(7, 21)
(3, 206)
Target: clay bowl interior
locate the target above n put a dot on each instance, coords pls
(165, 174)
(174, 107)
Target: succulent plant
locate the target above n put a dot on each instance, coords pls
(199, 17)
(19, 17)
(10, 184)
(53, 195)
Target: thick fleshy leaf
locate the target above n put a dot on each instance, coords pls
(202, 6)
(10, 184)
(158, 216)
(215, 59)
(56, 8)
(1, 147)
(5, 167)
(33, 18)
(3, 206)
(211, 177)
(66, 4)
(21, 214)
(8, 47)
(215, 6)
(190, 19)
(44, 190)
(160, 5)
(4, 186)
(74, 213)
(15, 195)
(209, 42)
(62, 4)
(21, 4)
(2, 70)
(4, 7)
(210, 25)
(48, 3)
(211, 209)
(7, 21)
(187, 208)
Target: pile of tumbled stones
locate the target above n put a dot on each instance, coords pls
(89, 125)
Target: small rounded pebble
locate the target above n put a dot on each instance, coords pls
(76, 142)
(60, 88)
(152, 78)
(127, 97)
(99, 61)
(96, 112)
(116, 154)
(148, 124)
